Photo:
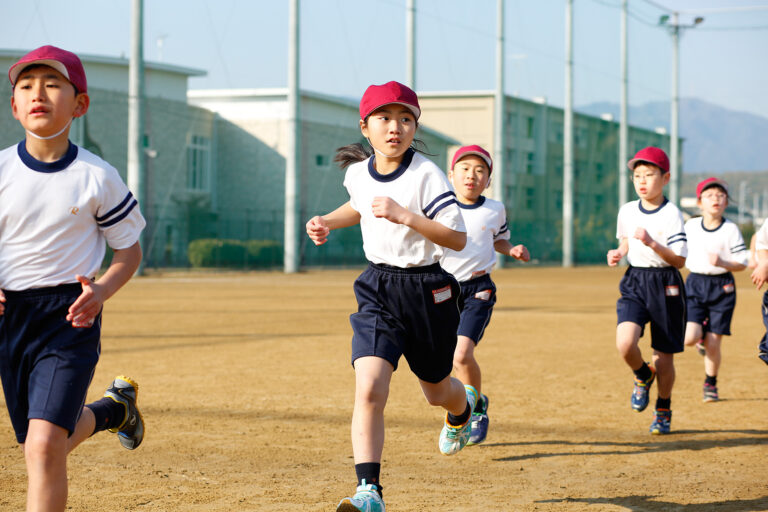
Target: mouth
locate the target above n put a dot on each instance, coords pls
(393, 140)
(38, 110)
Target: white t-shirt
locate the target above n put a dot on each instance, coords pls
(486, 222)
(725, 241)
(761, 238)
(55, 217)
(664, 224)
(418, 185)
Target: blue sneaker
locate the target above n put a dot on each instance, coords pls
(366, 499)
(125, 390)
(661, 422)
(641, 391)
(454, 438)
(479, 423)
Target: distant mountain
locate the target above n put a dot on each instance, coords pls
(716, 139)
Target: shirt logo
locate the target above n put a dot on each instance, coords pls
(74, 210)
(442, 294)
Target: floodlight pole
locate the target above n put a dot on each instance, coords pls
(568, 140)
(136, 168)
(293, 158)
(498, 116)
(410, 44)
(624, 121)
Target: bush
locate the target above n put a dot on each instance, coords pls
(214, 252)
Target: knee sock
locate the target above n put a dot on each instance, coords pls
(460, 420)
(643, 373)
(712, 381)
(664, 403)
(369, 472)
(108, 414)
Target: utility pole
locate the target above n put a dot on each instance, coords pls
(136, 146)
(293, 161)
(410, 44)
(623, 126)
(568, 140)
(498, 115)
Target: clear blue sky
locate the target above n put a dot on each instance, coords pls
(349, 44)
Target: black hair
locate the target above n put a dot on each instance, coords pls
(40, 65)
(357, 152)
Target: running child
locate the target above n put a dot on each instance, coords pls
(651, 235)
(407, 304)
(487, 233)
(760, 277)
(715, 249)
(58, 205)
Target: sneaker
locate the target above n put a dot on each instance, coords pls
(710, 393)
(641, 391)
(479, 421)
(661, 422)
(131, 431)
(366, 499)
(454, 438)
(763, 356)
(700, 349)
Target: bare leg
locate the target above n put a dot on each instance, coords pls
(464, 363)
(665, 370)
(45, 453)
(627, 339)
(693, 333)
(372, 378)
(713, 355)
(449, 394)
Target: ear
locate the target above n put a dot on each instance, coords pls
(666, 177)
(364, 128)
(82, 102)
(14, 111)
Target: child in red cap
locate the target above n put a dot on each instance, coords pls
(58, 205)
(487, 233)
(651, 235)
(407, 304)
(715, 249)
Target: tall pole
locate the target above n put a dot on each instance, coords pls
(623, 126)
(136, 168)
(674, 165)
(568, 140)
(293, 160)
(410, 43)
(498, 115)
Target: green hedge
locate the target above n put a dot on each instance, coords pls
(213, 252)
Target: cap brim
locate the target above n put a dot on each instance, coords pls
(16, 69)
(415, 111)
(485, 158)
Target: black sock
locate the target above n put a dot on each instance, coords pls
(369, 472)
(664, 403)
(712, 381)
(460, 420)
(480, 405)
(108, 414)
(643, 373)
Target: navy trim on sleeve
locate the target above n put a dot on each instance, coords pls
(440, 202)
(115, 220)
(116, 208)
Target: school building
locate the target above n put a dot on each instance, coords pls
(215, 160)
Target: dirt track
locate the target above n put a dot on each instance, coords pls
(247, 392)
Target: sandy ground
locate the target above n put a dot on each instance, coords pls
(247, 393)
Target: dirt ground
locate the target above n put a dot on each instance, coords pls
(247, 393)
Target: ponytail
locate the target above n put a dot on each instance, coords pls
(352, 153)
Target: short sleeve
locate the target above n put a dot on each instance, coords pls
(675, 235)
(621, 227)
(736, 246)
(118, 215)
(439, 201)
(502, 231)
(761, 237)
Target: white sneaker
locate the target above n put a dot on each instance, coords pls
(366, 499)
(454, 438)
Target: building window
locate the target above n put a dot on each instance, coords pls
(198, 162)
(529, 127)
(322, 160)
(529, 165)
(530, 196)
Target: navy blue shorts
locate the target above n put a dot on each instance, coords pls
(763, 346)
(655, 295)
(46, 365)
(411, 312)
(476, 302)
(711, 298)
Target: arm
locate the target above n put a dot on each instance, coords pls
(124, 264)
(760, 274)
(387, 208)
(717, 261)
(319, 227)
(519, 252)
(665, 252)
(615, 255)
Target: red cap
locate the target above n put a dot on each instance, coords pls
(391, 92)
(709, 183)
(473, 150)
(66, 63)
(655, 156)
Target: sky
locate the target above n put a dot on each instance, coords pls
(347, 45)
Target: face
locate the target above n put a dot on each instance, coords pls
(649, 181)
(44, 101)
(713, 201)
(390, 129)
(470, 177)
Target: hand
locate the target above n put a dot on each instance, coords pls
(520, 252)
(88, 305)
(760, 275)
(2, 303)
(614, 257)
(715, 260)
(318, 230)
(387, 208)
(642, 235)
